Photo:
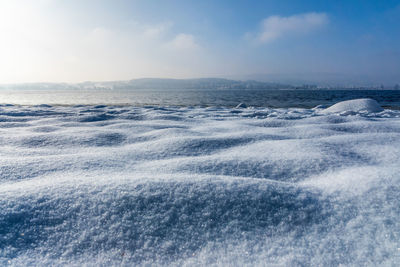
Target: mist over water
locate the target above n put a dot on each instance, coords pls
(179, 183)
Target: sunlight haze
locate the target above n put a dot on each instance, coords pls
(75, 41)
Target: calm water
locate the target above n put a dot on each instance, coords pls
(226, 98)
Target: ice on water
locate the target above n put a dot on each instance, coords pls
(122, 185)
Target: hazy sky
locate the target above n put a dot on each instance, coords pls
(78, 40)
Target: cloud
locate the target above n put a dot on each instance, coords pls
(156, 31)
(276, 27)
(39, 43)
(184, 41)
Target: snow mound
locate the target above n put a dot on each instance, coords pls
(356, 105)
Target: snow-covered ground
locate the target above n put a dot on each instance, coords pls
(109, 185)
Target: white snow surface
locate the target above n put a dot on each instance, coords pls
(188, 186)
(356, 105)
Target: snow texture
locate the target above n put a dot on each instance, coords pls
(186, 186)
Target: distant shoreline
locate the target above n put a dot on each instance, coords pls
(187, 84)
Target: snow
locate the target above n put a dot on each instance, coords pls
(356, 105)
(241, 105)
(186, 186)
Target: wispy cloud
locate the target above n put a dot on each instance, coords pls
(275, 27)
(184, 41)
(155, 31)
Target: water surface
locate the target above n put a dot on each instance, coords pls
(225, 98)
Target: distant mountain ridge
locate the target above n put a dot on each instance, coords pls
(154, 84)
(182, 84)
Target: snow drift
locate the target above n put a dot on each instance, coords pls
(356, 105)
(121, 185)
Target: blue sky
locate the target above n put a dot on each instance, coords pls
(73, 41)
